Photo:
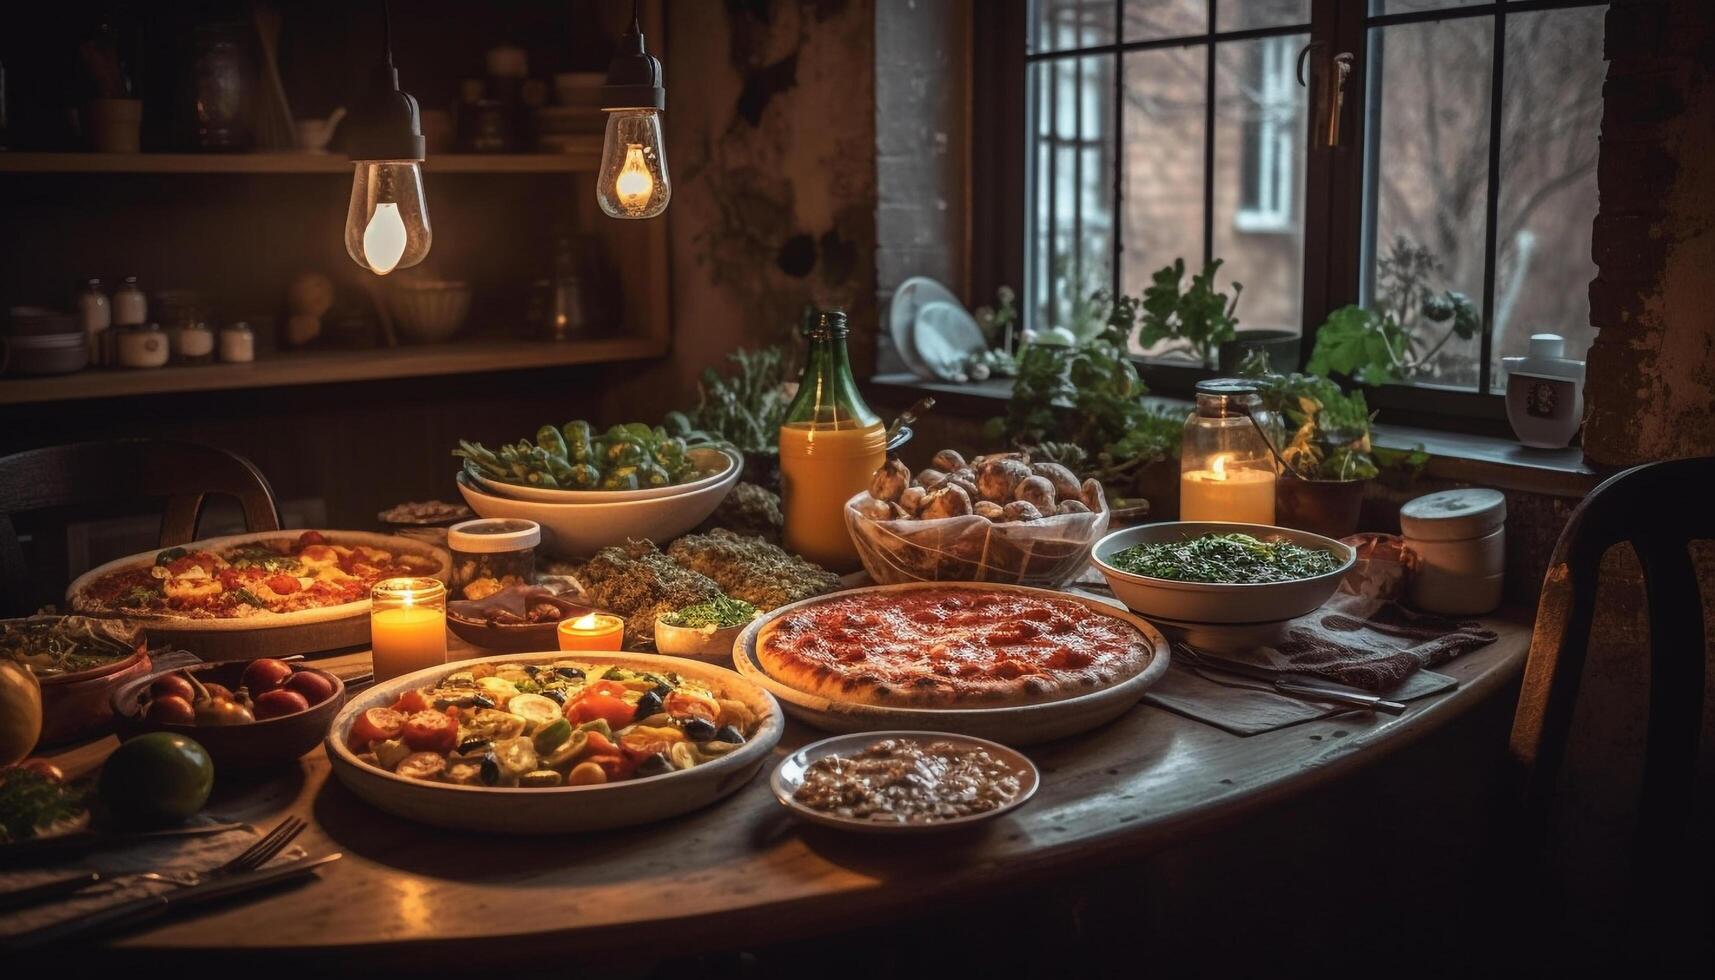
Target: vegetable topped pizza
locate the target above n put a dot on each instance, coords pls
(251, 578)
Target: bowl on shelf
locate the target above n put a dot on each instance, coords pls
(578, 530)
(1219, 616)
(256, 745)
(428, 311)
(714, 465)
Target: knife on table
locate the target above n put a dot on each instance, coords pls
(1293, 685)
(142, 909)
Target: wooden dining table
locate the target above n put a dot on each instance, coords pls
(743, 872)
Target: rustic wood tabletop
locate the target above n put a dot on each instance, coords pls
(744, 872)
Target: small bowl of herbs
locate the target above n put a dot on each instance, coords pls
(705, 631)
(1199, 572)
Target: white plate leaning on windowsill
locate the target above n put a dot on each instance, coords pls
(908, 299)
(946, 337)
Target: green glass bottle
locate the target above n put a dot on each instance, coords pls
(830, 445)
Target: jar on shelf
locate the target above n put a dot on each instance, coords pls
(492, 553)
(1226, 468)
(130, 306)
(237, 343)
(95, 313)
(141, 345)
(193, 343)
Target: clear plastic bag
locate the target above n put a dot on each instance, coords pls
(1047, 552)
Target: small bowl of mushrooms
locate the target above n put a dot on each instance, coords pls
(996, 518)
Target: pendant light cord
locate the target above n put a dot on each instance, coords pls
(387, 31)
(636, 18)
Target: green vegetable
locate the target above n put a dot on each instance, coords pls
(744, 409)
(626, 457)
(29, 801)
(552, 735)
(721, 613)
(577, 437)
(550, 441)
(169, 556)
(156, 779)
(1226, 558)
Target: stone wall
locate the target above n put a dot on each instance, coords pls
(1651, 388)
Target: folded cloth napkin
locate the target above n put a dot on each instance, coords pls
(201, 852)
(1362, 642)
(1371, 643)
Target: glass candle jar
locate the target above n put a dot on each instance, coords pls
(1226, 469)
(407, 625)
(492, 553)
(596, 631)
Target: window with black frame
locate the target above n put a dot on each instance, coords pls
(1161, 129)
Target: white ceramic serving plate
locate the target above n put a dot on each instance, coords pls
(714, 464)
(910, 297)
(557, 809)
(580, 530)
(789, 775)
(946, 335)
(1218, 604)
(1020, 725)
(265, 634)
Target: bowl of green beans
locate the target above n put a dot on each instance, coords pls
(1203, 572)
(578, 464)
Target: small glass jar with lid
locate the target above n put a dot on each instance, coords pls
(1226, 468)
(492, 553)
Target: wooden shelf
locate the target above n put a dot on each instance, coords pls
(586, 156)
(330, 366)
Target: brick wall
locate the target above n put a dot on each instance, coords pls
(1651, 388)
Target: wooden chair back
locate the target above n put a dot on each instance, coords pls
(124, 476)
(1659, 508)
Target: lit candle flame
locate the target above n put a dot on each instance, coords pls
(584, 622)
(384, 238)
(635, 185)
(1218, 465)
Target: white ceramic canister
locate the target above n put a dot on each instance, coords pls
(237, 343)
(142, 346)
(1545, 393)
(1457, 539)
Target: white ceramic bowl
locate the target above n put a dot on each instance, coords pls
(558, 809)
(1180, 603)
(705, 643)
(428, 312)
(580, 530)
(714, 464)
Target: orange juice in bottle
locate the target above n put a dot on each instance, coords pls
(830, 446)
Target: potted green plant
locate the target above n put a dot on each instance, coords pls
(1082, 405)
(1399, 339)
(1323, 443)
(1196, 320)
(744, 409)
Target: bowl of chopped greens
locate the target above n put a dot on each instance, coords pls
(705, 631)
(1200, 572)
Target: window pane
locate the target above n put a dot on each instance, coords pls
(1551, 113)
(1429, 187)
(1163, 180)
(1239, 15)
(1072, 183)
(1379, 7)
(1146, 19)
(1063, 25)
(1259, 179)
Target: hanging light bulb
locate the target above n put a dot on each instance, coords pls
(632, 181)
(387, 221)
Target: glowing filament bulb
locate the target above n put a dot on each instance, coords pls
(634, 185)
(384, 238)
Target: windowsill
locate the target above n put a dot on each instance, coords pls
(1485, 460)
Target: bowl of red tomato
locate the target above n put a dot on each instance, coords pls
(248, 715)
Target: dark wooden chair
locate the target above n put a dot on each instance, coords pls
(131, 476)
(1659, 509)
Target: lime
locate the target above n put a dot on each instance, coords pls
(156, 779)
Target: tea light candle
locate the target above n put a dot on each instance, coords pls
(1241, 495)
(596, 631)
(407, 625)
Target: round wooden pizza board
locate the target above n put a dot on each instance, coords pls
(1018, 725)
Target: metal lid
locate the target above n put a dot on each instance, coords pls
(1226, 397)
(1453, 515)
(494, 535)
